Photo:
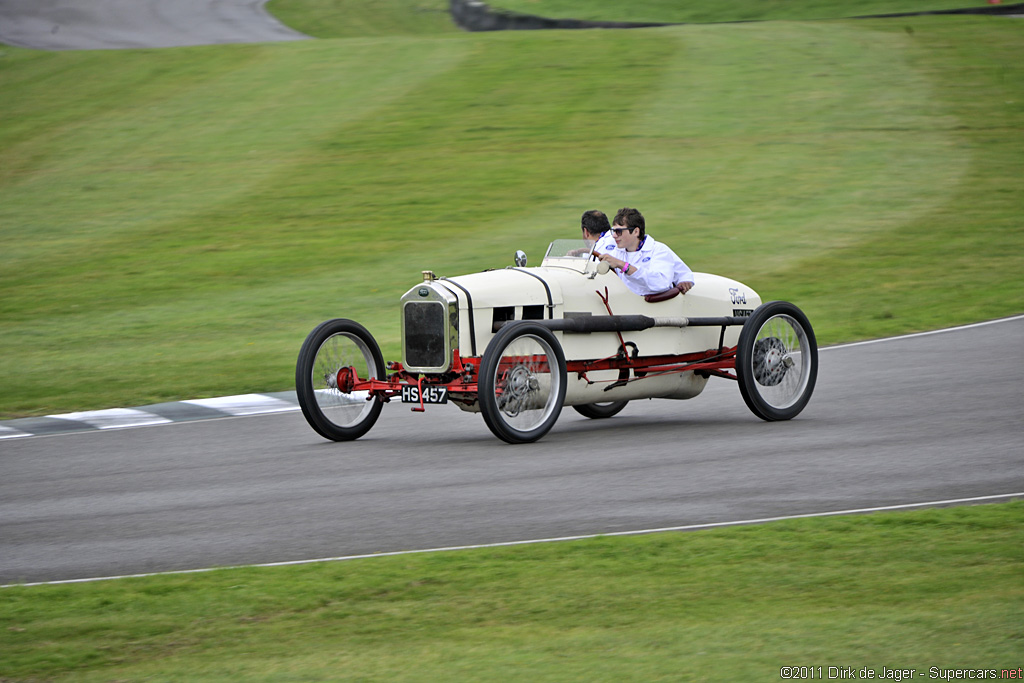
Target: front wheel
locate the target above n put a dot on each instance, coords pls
(522, 382)
(333, 357)
(599, 411)
(777, 361)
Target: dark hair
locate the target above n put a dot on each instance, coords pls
(631, 218)
(594, 222)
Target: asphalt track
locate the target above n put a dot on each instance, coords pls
(897, 422)
(118, 24)
(901, 421)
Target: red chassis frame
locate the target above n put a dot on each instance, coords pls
(462, 382)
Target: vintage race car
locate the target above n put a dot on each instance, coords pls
(519, 343)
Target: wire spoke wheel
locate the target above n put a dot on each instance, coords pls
(777, 361)
(334, 356)
(522, 383)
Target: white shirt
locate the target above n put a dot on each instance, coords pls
(593, 246)
(657, 267)
(601, 245)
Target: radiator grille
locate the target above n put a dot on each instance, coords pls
(425, 331)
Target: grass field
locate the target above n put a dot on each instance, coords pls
(911, 590)
(174, 228)
(173, 223)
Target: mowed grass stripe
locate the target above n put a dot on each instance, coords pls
(159, 156)
(798, 144)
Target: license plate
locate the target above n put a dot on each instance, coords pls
(411, 394)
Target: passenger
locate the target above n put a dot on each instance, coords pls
(645, 266)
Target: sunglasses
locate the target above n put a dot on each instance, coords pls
(618, 231)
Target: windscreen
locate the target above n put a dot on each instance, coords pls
(573, 249)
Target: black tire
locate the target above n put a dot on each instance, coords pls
(330, 411)
(522, 382)
(777, 361)
(599, 411)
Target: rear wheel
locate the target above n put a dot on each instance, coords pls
(333, 356)
(598, 411)
(777, 361)
(522, 382)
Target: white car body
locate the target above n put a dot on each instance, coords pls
(566, 286)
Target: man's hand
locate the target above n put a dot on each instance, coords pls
(615, 263)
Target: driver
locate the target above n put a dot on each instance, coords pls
(645, 266)
(595, 228)
(594, 225)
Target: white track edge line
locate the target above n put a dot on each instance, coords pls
(559, 539)
(926, 333)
